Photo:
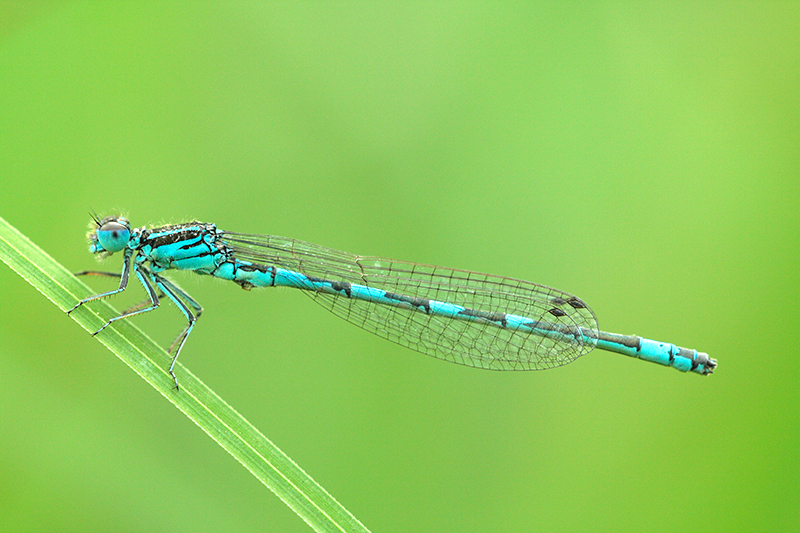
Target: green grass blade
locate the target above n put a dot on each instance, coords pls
(222, 423)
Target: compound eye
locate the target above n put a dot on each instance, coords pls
(113, 236)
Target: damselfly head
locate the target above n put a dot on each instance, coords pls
(108, 235)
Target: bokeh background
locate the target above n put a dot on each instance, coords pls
(643, 156)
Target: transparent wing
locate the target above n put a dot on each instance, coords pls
(473, 343)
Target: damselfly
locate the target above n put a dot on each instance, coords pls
(473, 319)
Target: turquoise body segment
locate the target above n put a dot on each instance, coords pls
(469, 318)
(683, 359)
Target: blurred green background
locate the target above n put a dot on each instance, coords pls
(643, 156)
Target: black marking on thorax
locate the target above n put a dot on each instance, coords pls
(167, 235)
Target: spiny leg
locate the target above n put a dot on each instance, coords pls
(140, 305)
(177, 295)
(165, 287)
(151, 292)
(184, 296)
(97, 273)
(123, 282)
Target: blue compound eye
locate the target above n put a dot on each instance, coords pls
(113, 236)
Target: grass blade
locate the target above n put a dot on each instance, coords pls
(218, 419)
